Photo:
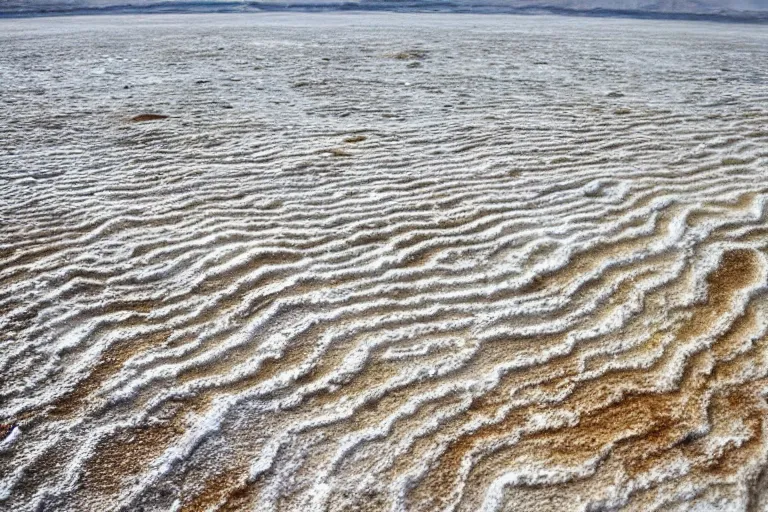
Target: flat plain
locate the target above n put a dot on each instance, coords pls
(369, 262)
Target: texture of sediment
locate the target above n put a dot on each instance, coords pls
(382, 262)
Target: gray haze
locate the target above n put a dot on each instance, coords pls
(668, 6)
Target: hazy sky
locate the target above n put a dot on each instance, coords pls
(646, 5)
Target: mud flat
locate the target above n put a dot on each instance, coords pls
(382, 262)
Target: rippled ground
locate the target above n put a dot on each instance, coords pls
(382, 262)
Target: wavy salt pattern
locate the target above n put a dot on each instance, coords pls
(382, 262)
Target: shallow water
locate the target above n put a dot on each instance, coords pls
(382, 262)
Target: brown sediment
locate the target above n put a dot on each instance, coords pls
(127, 453)
(375, 373)
(756, 234)
(739, 359)
(648, 423)
(654, 421)
(420, 257)
(110, 363)
(5, 429)
(355, 138)
(503, 350)
(715, 211)
(224, 492)
(239, 498)
(24, 259)
(728, 345)
(737, 270)
(742, 404)
(557, 372)
(441, 479)
(589, 260)
(746, 404)
(141, 118)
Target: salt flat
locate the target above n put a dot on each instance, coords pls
(382, 262)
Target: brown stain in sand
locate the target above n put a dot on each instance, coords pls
(223, 492)
(649, 423)
(109, 364)
(420, 257)
(5, 429)
(141, 118)
(589, 260)
(127, 454)
(671, 415)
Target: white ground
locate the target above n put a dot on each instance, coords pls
(538, 282)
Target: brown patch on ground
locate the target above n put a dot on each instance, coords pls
(223, 492)
(558, 371)
(5, 429)
(746, 404)
(239, 498)
(590, 259)
(110, 363)
(756, 234)
(127, 454)
(355, 138)
(738, 268)
(728, 345)
(440, 481)
(645, 421)
(652, 423)
(141, 118)
(739, 359)
(420, 257)
(740, 206)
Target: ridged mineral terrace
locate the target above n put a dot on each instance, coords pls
(383, 262)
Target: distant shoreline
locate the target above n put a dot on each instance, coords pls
(434, 7)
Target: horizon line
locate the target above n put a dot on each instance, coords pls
(232, 7)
